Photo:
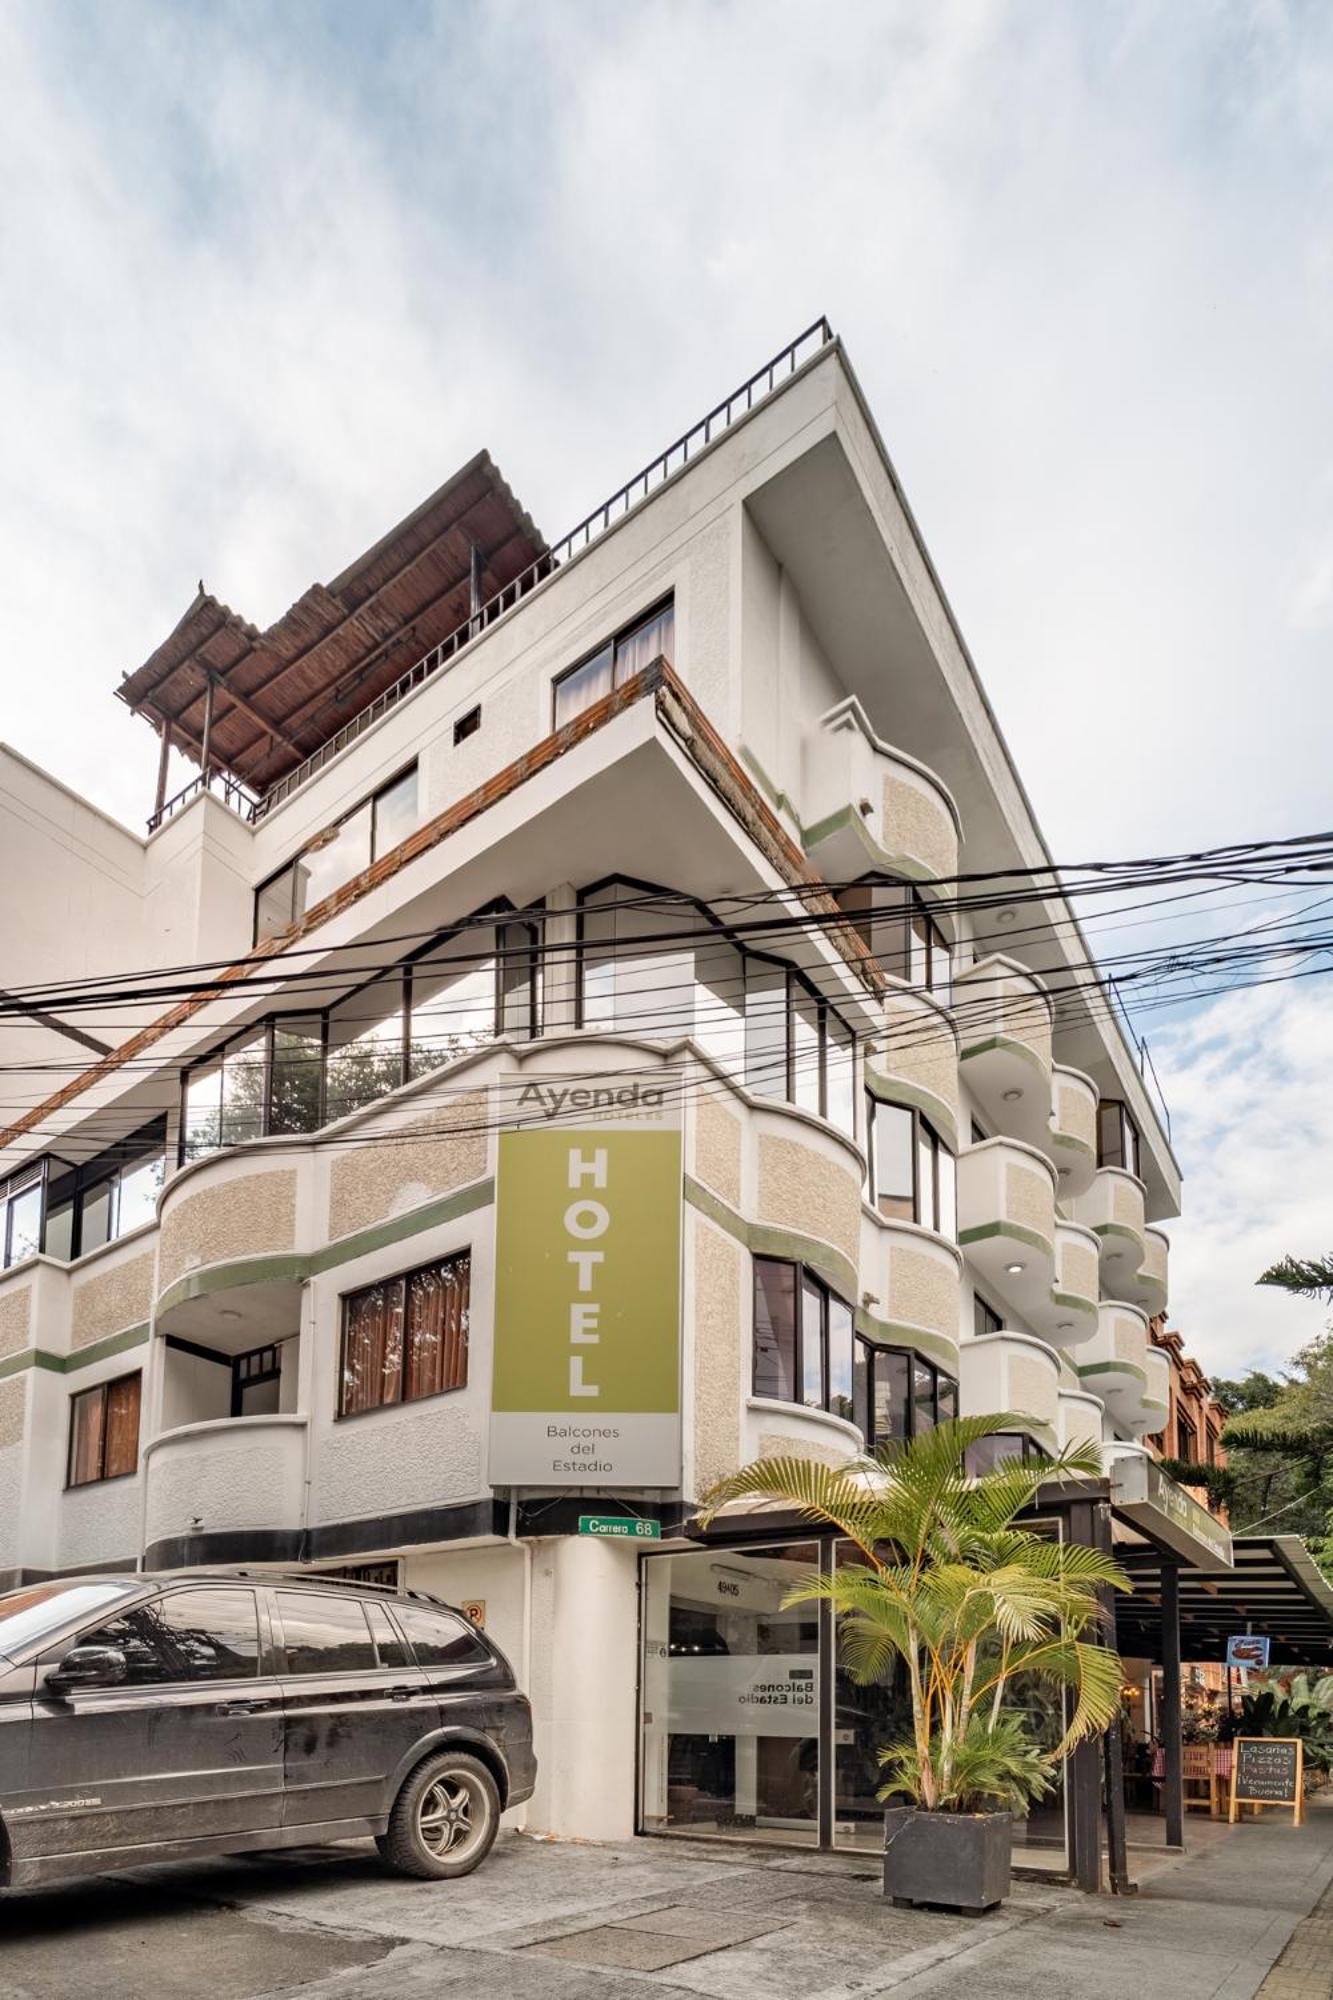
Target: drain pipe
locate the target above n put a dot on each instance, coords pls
(525, 1651)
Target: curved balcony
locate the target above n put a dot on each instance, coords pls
(1006, 1222)
(1011, 1371)
(1112, 1209)
(912, 1297)
(1113, 1365)
(211, 1487)
(1072, 1139)
(229, 1226)
(772, 1430)
(916, 1060)
(1069, 1316)
(1153, 1407)
(1081, 1417)
(869, 806)
(1004, 1025)
(1148, 1287)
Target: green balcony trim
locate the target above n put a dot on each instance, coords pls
(1072, 1144)
(1013, 1229)
(763, 1239)
(1088, 1368)
(882, 860)
(899, 1333)
(1122, 1229)
(1011, 1046)
(294, 1267)
(1074, 1302)
(773, 793)
(82, 1357)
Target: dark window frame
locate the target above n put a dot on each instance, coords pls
(1129, 1139)
(935, 1145)
(293, 861)
(403, 1279)
(917, 909)
(1028, 1451)
(467, 724)
(240, 1383)
(795, 980)
(804, 1276)
(103, 1389)
(871, 1350)
(618, 638)
(983, 1312)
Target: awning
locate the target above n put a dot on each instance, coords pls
(279, 695)
(1274, 1587)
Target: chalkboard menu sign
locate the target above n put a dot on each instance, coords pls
(1268, 1771)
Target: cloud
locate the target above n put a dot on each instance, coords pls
(1250, 1084)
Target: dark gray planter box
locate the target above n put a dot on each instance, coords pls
(959, 1860)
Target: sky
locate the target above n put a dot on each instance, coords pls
(270, 272)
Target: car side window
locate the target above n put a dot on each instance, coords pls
(187, 1635)
(388, 1643)
(439, 1639)
(325, 1635)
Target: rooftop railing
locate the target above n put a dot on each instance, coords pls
(220, 785)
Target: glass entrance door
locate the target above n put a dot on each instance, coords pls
(731, 1685)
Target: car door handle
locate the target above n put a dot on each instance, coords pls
(402, 1694)
(241, 1707)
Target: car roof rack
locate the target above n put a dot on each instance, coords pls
(322, 1578)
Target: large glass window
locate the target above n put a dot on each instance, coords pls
(371, 829)
(22, 1216)
(913, 1174)
(406, 1338)
(731, 1695)
(106, 1197)
(104, 1431)
(325, 1635)
(186, 1635)
(365, 1047)
(897, 927)
(1117, 1136)
(900, 1394)
(802, 1339)
(438, 1639)
(615, 663)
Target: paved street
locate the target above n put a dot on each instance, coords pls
(548, 1921)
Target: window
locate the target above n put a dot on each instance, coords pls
(900, 1395)
(1187, 1439)
(912, 1172)
(438, 1638)
(388, 1644)
(66, 1210)
(364, 1051)
(256, 1380)
(325, 1635)
(187, 1635)
(467, 725)
(802, 1339)
(406, 1338)
(989, 1452)
(615, 663)
(370, 829)
(22, 1215)
(104, 1432)
(985, 1319)
(1117, 1137)
(895, 924)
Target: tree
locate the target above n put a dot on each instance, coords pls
(967, 1600)
(1308, 1278)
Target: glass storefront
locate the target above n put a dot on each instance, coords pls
(751, 1731)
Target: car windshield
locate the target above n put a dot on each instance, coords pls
(28, 1615)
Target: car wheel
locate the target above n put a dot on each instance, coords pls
(444, 1820)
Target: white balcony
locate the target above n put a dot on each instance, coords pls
(1081, 1418)
(1148, 1286)
(916, 1058)
(1152, 1408)
(1072, 1139)
(1006, 1223)
(1113, 1364)
(226, 1478)
(1068, 1318)
(1011, 1371)
(871, 807)
(1004, 1030)
(1112, 1209)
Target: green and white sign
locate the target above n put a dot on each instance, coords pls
(620, 1527)
(586, 1388)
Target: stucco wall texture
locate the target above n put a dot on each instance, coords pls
(111, 1300)
(427, 1455)
(13, 1401)
(1078, 1270)
(923, 1291)
(717, 1149)
(717, 1362)
(1028, 1200)
(920, 1048)
(249, 1479)
(1034, 1388)
(772, 1444)
(801, 1190)
(15, 1319)
(1076, 1114)
(443, 1149)
(918, 825)
(1127, 1205)
(245, 1215)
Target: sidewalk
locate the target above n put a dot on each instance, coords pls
(659, 1919)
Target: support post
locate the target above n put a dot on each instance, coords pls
(1083, 1773)
(163, 755)
(474, 581)
(208, 728)
(1173, 1787)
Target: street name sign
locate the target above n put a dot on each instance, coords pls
(625, 1526)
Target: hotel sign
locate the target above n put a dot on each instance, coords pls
(586, 1386)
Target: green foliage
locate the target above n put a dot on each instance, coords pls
(1307, 1277)
(996, 1768)
(965, 1598)
(1219, 1480)
(1271, 1711)
(1279, 1440)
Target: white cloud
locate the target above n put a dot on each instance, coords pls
(1250, 1083)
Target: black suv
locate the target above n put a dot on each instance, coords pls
(161, 1718)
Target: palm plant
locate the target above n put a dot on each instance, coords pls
(968, 1600)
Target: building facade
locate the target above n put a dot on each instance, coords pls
(603, 1013)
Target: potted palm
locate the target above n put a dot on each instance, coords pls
(951, 1585)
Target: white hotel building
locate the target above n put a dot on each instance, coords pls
(672, 811)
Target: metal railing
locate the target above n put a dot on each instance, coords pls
(1141, 1051)
(622, 502)
(220, 785)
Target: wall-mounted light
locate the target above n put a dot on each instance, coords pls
(1011, 1096)
(1013, 1269)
